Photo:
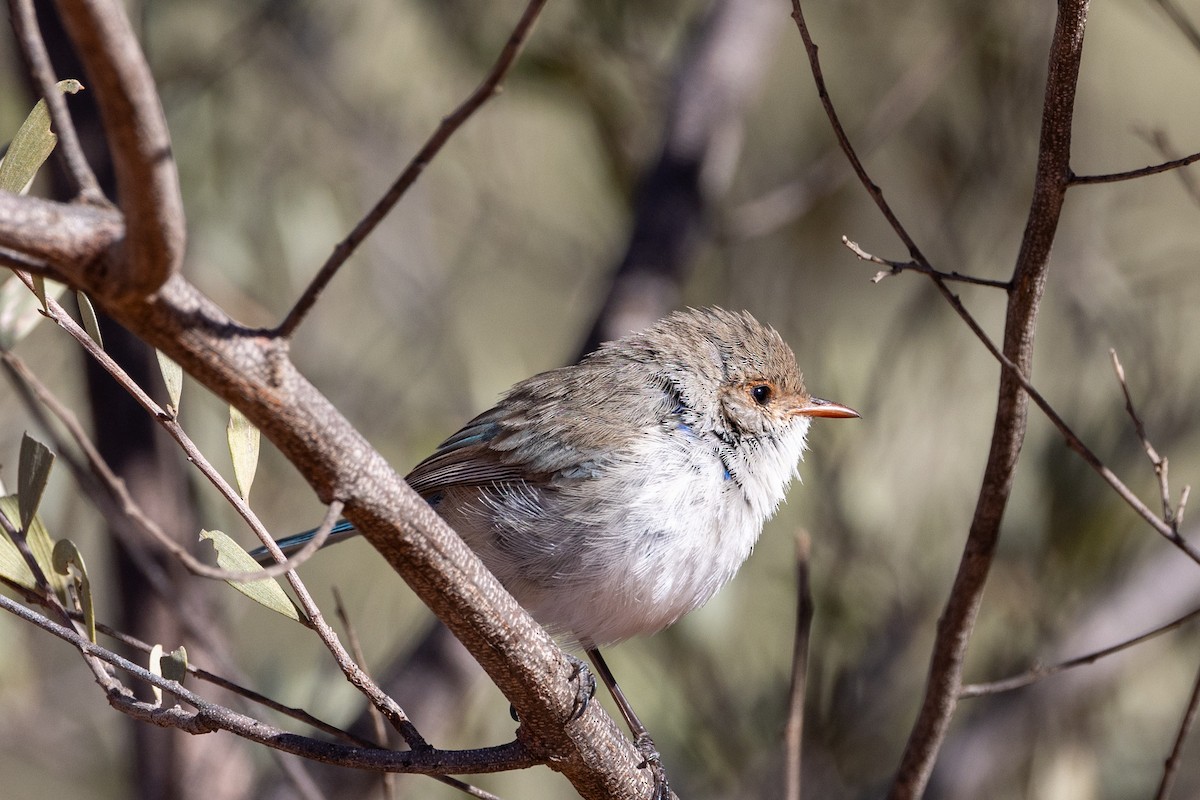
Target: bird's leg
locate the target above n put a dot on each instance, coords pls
(641, 736)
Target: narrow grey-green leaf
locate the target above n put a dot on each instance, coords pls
(267, 591)
(243, 448)
(39, 289)
(172, 375)
(67, 560)
(12, 563)
(32, 145)
(32, 475)
(20, 310)
(88, 314)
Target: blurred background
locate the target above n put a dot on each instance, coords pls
(645, 156)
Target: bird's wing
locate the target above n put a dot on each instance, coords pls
(465, 459)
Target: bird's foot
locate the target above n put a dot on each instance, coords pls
(653, 762)
(585, 687)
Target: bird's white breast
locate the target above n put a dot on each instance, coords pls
(673, 524)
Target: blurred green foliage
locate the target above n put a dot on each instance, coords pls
(290, 118)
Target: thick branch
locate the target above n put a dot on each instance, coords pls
(253, 372)
(58, 233)
(958, 619)
(147, 182)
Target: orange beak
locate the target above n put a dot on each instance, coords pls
(816, 407)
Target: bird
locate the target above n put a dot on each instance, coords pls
(613, 496)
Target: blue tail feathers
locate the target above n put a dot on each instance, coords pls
(341, 531)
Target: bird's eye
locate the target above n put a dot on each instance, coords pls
(761, 393)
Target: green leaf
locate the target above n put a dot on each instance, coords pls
(32, 476)
(20, 310)
(32, 145)
(243, 447)
(12, 563)
(67, 560)
(172, 375)
(266, 592)
(88, 314)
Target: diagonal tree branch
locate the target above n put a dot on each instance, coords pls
(487, 89)
(251, 369)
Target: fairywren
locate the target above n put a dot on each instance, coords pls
(614, 496)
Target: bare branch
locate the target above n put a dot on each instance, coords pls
(147, 181)
(783, 204)
(793, 734)
(490, 86)
(377, 718)
(209, 717)
(844, 140)
(1039, 672)
(1153, 169)
(1169, 515)
(61, 234)
(134, 643)
(896, 267)
(1160, 142)
(1171, 767)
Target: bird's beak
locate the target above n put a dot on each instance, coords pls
(816, 407)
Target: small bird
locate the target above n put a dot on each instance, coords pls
(613, 496)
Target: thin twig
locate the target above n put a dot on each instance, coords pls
(1170, 516)
(170, 424)
(1039, 672)
(793, 734)
(210, 716)
(490, 86)
(134, 643)
(24, 377)
(1153, 169)
(355, 647)
(919, 264)
(1160, 142)
(37, 59)
(844, 140)
(1161, 526)
(1171, 767)
(782, 204)
(389, 781)
(896, 267)
(350, 669)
